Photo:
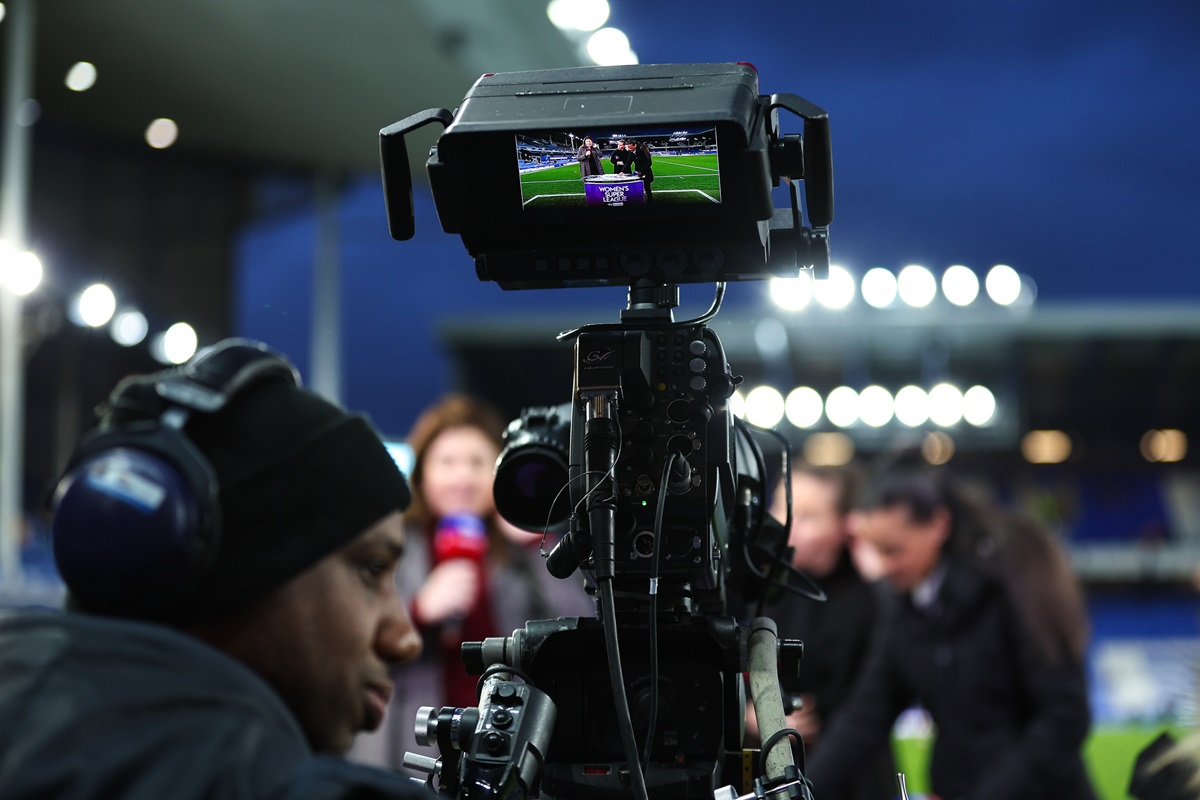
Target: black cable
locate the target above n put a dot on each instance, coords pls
(617, 677)
(659, 541)
(775, 739)
(597, 327)
(777, 562)
(817, 594)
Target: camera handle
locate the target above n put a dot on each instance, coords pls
(397, 174)
(767, 695)
(768, 656)
(809, 158)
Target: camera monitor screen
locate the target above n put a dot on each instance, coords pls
(618, 168)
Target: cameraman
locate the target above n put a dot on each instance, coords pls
(242, 675)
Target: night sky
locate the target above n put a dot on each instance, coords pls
(1057, 137)
(1053, 137)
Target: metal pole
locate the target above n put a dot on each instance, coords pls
(14, 196)
(325, 373)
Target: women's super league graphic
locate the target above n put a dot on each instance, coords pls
(618, 168)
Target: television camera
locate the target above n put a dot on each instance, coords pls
(657, 490)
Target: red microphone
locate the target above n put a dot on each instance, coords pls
(459, 536)
(463, 536)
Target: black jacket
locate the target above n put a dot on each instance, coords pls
(622, 161)
(98, 708)
(837, 635)
(1009, 722)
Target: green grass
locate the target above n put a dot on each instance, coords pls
(677, 179)
(1108, 753)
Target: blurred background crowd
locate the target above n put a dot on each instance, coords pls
(1014, 299)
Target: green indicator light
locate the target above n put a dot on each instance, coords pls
(645, 502)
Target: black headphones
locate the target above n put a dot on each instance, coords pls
(137, 515)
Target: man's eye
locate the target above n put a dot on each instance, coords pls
(374, 571)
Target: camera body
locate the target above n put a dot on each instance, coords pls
(660, 491)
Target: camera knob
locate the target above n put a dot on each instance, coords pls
(697, 347)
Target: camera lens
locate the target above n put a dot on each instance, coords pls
(528, 480)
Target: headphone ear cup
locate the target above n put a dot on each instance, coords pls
(129, 532)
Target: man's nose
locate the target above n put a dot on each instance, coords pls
(397, 641)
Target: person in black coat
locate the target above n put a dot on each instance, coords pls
(986, 631)
(837, 633)
(588, 157)
(642, 165)
(622, 159)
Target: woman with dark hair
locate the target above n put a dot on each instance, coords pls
(466, 573)
(986, 632)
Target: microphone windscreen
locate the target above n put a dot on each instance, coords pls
(460, 536)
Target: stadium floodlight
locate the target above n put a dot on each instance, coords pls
(764, 407)
(879, 287)
(176, 345)
(836, 291)
(162, 133)
(737, 404)
(609, 47)
(979, 405)
(916, 285)
(841, 407)
(912, 406)
(94, 306)
(937, 447)
(1046, 447)
(792, 294)
(1003, 285)
(128, 328)
(81, 76)
(831, 449)
(1164, 446)
(578, 15)
(804, 407)
(20, 273)
(945, 405)
(770, 337)
(1028, 293)
(875, 406)
(960, 285)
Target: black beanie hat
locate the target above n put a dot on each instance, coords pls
(298, 478)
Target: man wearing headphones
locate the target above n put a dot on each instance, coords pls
(229, 542)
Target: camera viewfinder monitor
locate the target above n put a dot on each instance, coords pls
(618, 168)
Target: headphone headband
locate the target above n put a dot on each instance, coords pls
(116, 551)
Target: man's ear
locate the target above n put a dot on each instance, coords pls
(940, 524)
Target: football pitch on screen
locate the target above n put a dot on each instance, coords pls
(677, 179)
